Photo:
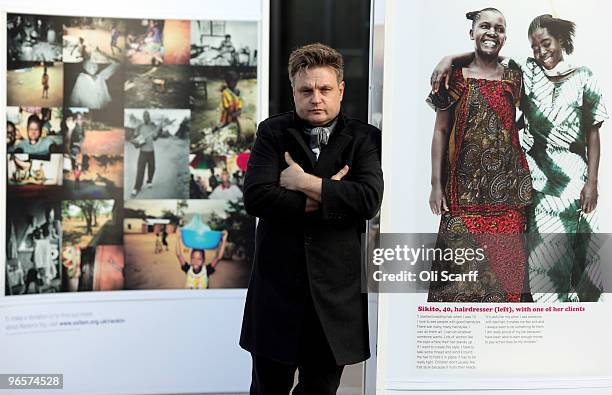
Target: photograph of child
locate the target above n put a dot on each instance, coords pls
(35, 84)
(209, 244)
(34, 130)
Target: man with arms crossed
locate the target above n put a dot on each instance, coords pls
(313, 179)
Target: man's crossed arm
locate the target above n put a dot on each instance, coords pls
(295, 178)
(274, 191)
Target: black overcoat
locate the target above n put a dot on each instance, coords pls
(314, 257)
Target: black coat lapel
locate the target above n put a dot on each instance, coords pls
(302, 144)
(331, 152)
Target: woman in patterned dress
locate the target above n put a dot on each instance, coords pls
(563, 110)
(480, 179)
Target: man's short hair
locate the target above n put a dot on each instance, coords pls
(315, 55)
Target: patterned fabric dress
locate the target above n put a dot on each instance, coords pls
(563, 261)
(488, 188)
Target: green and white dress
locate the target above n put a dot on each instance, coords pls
(563, 258)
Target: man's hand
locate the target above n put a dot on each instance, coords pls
(339, 175)
(291, 177)
(313, 205)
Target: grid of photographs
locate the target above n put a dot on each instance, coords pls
(127, 143)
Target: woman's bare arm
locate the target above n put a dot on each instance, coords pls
(439, 143)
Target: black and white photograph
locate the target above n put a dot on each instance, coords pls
(33, 229)
(165, 86)
(94, 85)
(156, 154)
(34, 38)
(224, 110)
(223, 43)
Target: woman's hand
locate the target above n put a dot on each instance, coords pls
(437, 200)
(442, 72)
(588, 197)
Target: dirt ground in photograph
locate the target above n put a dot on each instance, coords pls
(25, 88)
(94, 38)
(107, 142)
(73, 230)
(142, 92)
(98, 182)
(146, 270)
(99, 174)
(171, 177)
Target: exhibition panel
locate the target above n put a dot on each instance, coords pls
(462, 321)
(127, 241)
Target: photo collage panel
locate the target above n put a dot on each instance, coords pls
(127, 144)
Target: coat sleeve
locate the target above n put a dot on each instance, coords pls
(359, 195)
(263, 197)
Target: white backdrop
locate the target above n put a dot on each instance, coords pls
(417, 35)
(172, 341)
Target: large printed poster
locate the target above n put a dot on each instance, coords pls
(127, 143)
(495, 262)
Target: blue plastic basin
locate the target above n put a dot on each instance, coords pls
(202, 241)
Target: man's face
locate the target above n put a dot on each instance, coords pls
(317, 95)
(146, 117)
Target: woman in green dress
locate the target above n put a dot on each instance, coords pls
(563, 111)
